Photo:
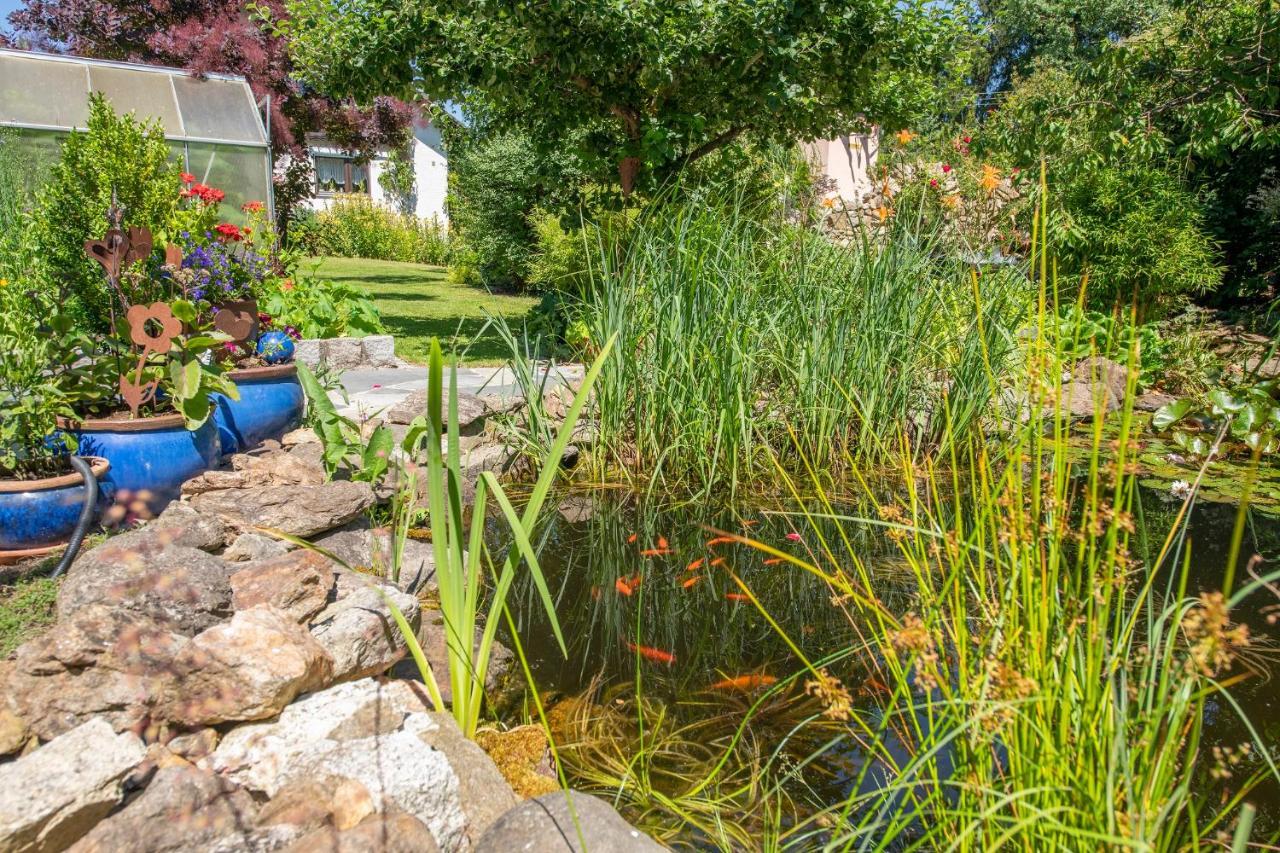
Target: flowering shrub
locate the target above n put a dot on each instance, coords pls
(355, 227)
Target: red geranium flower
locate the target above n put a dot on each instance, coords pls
(227, 231)
(251, 206)
(188, 178)
(946, 167)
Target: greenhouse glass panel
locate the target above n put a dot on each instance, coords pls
(238, 170)
(146, 95)
(43, 93)
(217, 109)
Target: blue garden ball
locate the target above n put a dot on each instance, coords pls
(275, 347)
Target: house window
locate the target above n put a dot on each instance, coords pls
(341, 175)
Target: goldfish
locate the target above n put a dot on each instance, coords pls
(691, 581)
(773, 561)
(662, 542)
(718, 561)
(720, 540)
(650, 653)
(632, 538)
(793, 536)
(655, 552)
(737, 596)
(595, 593)
(753, 681)
(750, 523)
(695, 564)
(622, 586)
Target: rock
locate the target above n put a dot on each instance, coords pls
(487, 457)
(361, 547)
(307, 351)
(296, 583)
(183, 810)
(53, 796)
(1152, 401)
(390, 832)
(1097, 370)
(431, 637)
(300, 511)
(178, 587)
(503, 402)
(1083, 400)
(194, 745)
(254, 546)
(181, 524)
(14, 733)
(100, 661)
(246, 669)
(341, 353)
(358, 631)
(381, 735)
(472, 411)
(258, 470)
(379, 350)
(301, 435)
(577, 509)
(545, 825)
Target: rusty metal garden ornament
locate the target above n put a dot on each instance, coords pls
(119, 247)
(153, 328)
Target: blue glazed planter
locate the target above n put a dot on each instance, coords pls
(39, 515)
(270, 405)
(154, 456)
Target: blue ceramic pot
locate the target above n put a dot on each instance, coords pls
(150, 458)
(270, 405)
(38, 515)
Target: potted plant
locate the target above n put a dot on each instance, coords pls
(43, 490)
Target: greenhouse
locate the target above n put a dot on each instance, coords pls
(212, 123)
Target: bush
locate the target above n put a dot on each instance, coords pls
(494, 189)
(356, 227)
(114, 155)
(311, 307)
(558, 260)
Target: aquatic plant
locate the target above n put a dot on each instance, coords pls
(748, 339)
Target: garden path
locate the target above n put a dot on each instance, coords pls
(371, 390)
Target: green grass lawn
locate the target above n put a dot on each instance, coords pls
(417, 303)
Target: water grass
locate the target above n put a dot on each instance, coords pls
(746, 339)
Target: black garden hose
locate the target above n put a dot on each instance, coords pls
(86, 514)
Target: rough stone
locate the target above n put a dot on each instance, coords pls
(379, 350)
(546, 825)
(246, 669)
(358, 546)
(183, 810)
(100, 661)
(358, 631)
(1084, 400)
(180, 588)
(381, 735)
(296, 583)
(254, 546)
(14, 732)
(431, 637)
(393, 831)
(1097, 370)
(53, 796)
(300, 511)
(308, 351)
(341, 353)
(472, 411)
(194, 745)
(259, 470)
(301, 435)
(1152, 401)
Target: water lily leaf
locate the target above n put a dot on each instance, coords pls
(1168, 415)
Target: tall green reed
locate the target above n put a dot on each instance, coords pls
(746, 338)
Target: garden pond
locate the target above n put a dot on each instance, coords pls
(678, 684)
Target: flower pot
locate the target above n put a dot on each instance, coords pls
(39, 516)
(270, 405)
(150, 457)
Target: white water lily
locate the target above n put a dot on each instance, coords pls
(1180, 488)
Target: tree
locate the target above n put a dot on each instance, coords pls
(206, 36)
(648, 86)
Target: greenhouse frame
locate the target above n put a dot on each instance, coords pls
(212, 123)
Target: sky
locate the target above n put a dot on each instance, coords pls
(7, 6)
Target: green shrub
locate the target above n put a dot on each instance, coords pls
(115, 155)
(559, 259)
(320, 308)
(495, 186)
(355, 227)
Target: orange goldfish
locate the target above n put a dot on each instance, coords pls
(773, 561)
(753, 681)
(622, 586)
(695, 564)
(718, 561)
(650, 653)
(662, 542)
(655, 552)
(720, 540)
(691, 581)
(632, 538)
(737, 596)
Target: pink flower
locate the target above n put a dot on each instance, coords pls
(793, 536)
(946, 167)
(933, 182)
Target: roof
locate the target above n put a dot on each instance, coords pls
(47, 91)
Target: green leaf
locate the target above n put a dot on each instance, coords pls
(1168, 415)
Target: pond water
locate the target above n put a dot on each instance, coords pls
(667, 656)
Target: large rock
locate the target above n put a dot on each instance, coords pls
(361, 547)
(300, 511)
(183, 810)
(358, 630)
(178, 587)
(546, 825)
(472, 411)
(100, 661)
(296, 583)
(180, 525)
(259, 470)
(246, 669)
(379, 350)
(1096, 370)
(53, 796)
(382, 736)
(248, 547)
(391, 832)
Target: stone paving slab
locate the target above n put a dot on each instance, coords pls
(370, 391)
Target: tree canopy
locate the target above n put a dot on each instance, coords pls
(647, 85)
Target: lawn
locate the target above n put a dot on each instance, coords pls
(418, 303)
